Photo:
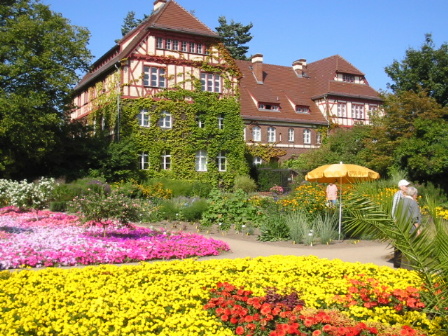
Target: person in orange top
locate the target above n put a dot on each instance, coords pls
(332, 193)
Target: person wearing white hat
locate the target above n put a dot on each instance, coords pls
(403, 186)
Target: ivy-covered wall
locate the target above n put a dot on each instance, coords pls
(185, 137)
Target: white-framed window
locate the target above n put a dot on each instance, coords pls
(318, 138)
(348, 78)
(302, 109)
(200, 49)
(154, 76)
(143, 160)
(358, 111)
(257, 160)
(291, 135)
(192, 47)
(168, 44)
(342, 110)
(159, 43)
(306, 136)
(166, 160)
(372, 108)
(183, 46)
(256, 133)
(268, 107)
(175, 45)
(143, 118)
(165, 120)
(220, 121)
(200, 119)
(201, 160)
(221, 161)
(271, 134)
(211, 82)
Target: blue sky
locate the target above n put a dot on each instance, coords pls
(370, 34)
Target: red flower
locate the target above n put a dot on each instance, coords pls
(239, 330)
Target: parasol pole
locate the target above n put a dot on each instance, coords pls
(340, 207)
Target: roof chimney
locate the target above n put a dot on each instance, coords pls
(158, 4)
(257, 64)
(299, 67)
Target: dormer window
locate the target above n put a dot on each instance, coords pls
(268, 107)
(302, 109)
(348, 78)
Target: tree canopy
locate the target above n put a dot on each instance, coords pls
(41, 56)
(235, 35)
(425, 69)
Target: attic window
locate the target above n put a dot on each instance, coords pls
(268, 107)
(348, 78)
(302, 109)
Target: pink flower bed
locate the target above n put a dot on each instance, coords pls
(44, 238)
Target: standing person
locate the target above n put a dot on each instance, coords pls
(403, 186)
(410, 213)
(332, 193)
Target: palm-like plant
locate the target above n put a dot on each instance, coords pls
(426, 252)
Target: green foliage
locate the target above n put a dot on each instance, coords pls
(245, 183)
(326, 227)
(41, 55)
(425, 69)
(25, 195)
(299, 226)
(235, 35)
(274, 226)
(268, 176)
(229, 210)
(185, 188)
(193, 212)
(120, 163)
(130, 22)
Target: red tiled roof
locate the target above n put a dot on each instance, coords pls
(170, 16)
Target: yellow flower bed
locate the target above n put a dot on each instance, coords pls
(167, 298)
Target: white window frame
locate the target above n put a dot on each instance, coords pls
(154, 76)
(166, 160)
(168, 44)
(211, 82)
(201, 160)
(143, 118)
(221, 121)
(268, 107)
(221, 161)
(192, 47)
(291, 135)
(165, 120)
(348, 78)
(342, 110)
(184, 46)
(357, 111)
(306, 136)
(175, 45)
(302, 109)
(200, 119)
(256, 133)
(318, 138)
(159, 43)
(143, 161)
(272, 134)
(257, 160)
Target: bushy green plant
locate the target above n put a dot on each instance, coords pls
(185, 188)
(25, 195)
(193, 212)
(101, 209)
(245, 183)
(325, 227)
(230, 209)
(299, 225)
(170, 209)
(274, 227)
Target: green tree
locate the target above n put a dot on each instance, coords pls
(235, 35)
(41, 55)
(425, 69)
(130, 22)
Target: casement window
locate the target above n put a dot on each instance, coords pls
(373, 108)
(175, 45)
(257, 161)
(268, 107)
(168, 44)
(200, 119)
(143, 160)
(165, 120)
(200, 49)
(357, 111)
(271, 134)
(192, 47)
(291, 135)
(211, 82)
(159, 43)
(342, 110)
(256, 133)
(201, 160)
(220, 121)
(143, 118)
(166, 160)
(154, 76)
(306, 136)
(221, 162)
(302, 109)
(348, 78)
(184, 46)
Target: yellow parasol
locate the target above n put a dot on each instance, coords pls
(342, 173)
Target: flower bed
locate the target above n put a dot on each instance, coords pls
(45, 238)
